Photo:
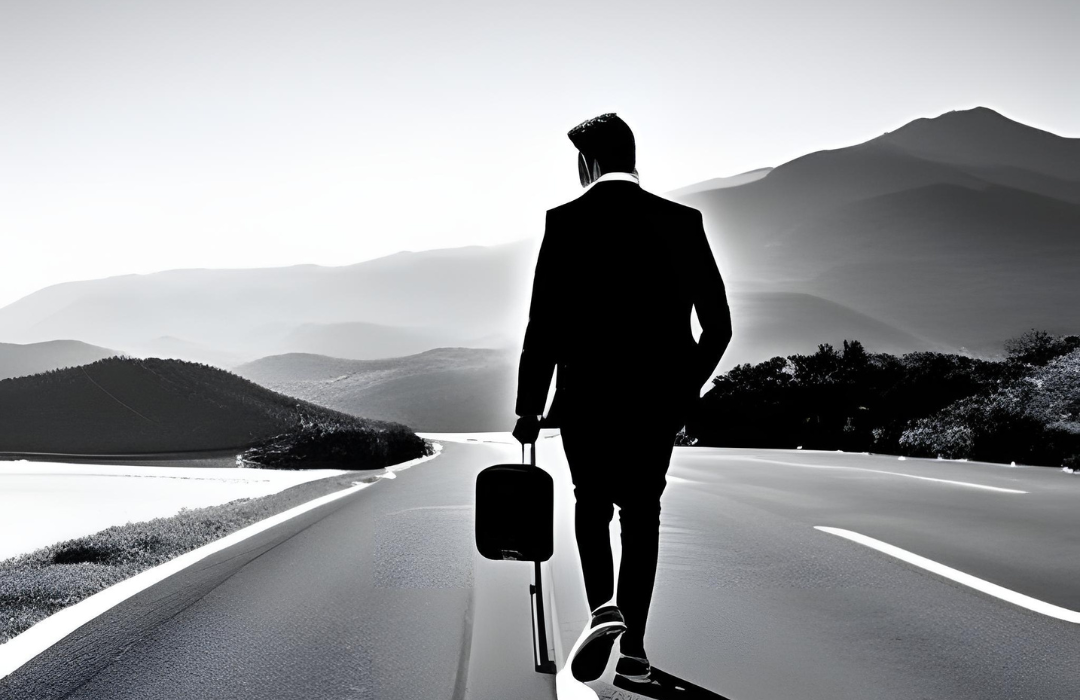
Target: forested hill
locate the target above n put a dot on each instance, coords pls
(125, 405)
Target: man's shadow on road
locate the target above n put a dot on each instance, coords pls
(662, 686)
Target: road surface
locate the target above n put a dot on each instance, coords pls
(754, 603)
(380, 595)
(376, 595)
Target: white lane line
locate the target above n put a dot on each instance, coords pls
(952, 574)
(24, 647)
(880, 471)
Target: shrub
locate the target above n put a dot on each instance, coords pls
(318, 445)
(1034, 419)
(1039, 347)
(992, 428)
(1026, 408)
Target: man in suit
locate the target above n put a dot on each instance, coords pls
(618, 272)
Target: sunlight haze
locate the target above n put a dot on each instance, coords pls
(137, 137)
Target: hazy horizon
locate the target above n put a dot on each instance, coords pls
(143, 138)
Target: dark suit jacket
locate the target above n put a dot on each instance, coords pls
(618, 272)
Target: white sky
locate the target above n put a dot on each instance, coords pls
(140, 136)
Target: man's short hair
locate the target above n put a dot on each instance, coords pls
(608, 140)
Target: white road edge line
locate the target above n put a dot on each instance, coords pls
(952, 574)
(880, 471)
(22, 648)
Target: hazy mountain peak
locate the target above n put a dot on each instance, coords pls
(953, 120)
(977, 112)
(982, 137)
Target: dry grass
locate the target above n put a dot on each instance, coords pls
(36, 585)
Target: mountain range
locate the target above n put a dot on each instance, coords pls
(400, 304)
(951, 233)
(962, 230)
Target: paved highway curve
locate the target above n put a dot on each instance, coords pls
(380, 594)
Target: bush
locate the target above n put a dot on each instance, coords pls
(990, 428)
(835, 399)
(1025, 408)
(1039, 347)
(320, 445)
(746, 407)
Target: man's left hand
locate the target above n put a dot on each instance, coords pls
(527, 429)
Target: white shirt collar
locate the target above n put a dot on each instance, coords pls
(608, 177)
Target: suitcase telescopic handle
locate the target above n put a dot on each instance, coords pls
(532, 453)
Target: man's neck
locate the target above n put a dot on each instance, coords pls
(615, 176)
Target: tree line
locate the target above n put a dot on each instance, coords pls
(1024, 408)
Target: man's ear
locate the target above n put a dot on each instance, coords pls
(583, 170)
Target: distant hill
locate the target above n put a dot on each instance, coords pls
(358, 340)
(125, 405)
(443, 390)
(962, 230)
(33, 358)
(407, 302)
(168, 347)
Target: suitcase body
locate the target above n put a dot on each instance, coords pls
(515, 506)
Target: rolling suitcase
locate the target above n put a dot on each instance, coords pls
(515, 521)
(515, 511)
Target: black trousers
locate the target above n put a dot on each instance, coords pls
(633, 479)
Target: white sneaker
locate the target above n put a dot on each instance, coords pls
(590, 654)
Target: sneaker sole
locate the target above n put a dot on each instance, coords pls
(648, 688)
(593, 652)
(664, 686)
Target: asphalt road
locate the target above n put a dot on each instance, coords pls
(376, 595)
(754, 603)
(380, 595)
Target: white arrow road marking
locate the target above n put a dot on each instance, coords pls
(952, 574)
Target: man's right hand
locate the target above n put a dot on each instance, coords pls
(527, 429)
